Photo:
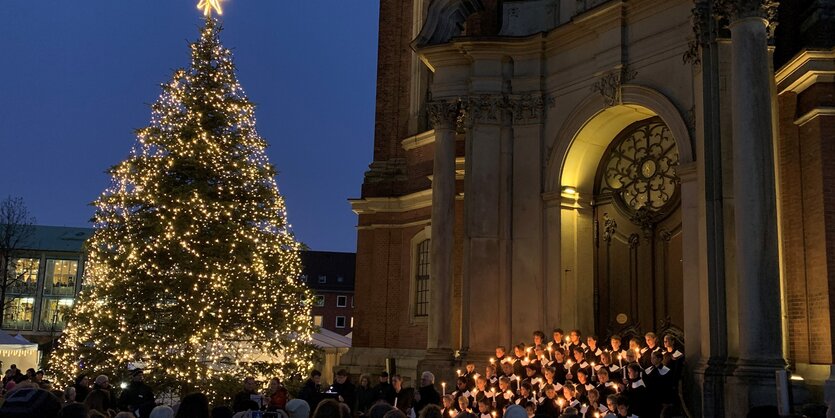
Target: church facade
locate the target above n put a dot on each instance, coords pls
(612, 166)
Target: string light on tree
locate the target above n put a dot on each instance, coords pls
(192, 270)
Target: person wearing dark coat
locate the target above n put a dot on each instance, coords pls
(137, 396)
(345, 390)
(82, 387)
(404, 398)
(312, 389)
(365, 395)
(427, 394)
(384, 390)
(242, 400)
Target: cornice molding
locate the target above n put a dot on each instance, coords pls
(806, 69)
(406, 203)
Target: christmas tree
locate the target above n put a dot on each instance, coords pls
(192, 271)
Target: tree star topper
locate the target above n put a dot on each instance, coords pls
(208, 5)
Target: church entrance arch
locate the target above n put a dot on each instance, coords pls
(592, 272)
(637, 232)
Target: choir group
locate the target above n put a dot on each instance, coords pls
(570, 373)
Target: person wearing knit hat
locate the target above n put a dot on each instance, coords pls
(515, 411)
(297, 408)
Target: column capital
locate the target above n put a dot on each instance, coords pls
(735, 10)
(445, 113)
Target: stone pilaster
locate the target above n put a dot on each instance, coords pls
(760, 341)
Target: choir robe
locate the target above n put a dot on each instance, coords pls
(504, 399)
(583, 392)
(522, 401)
(593, 355)
(559, 372)
(606, 389)
(645, 359)
(459, 393)
(572, 346)
(589, 410)
(577, 366)
(518, 367)
(470, 379)
(638, 395)
(661, 385)
(675, 361)
(549, 408)
(515, 381)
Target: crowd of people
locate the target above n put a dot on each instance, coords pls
(556, 377)
(28, 395)
(561, 376)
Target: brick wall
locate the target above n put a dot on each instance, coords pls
(807, 183)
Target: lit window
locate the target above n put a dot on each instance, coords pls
(319, 300)
(352, 301)
(25, 276)
(341, 301)
(60, 277)
(18, 313)
(323, 279)
(340, 322)
(352, 322)
(317, 320)
(54, 313)
(422, 279)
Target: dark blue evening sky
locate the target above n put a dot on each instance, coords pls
(77, 77)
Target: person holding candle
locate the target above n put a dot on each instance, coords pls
(593, 352)
(507, 368)
(593, 409)
(505, 395)
(384, 390)
(470, 374)
(448, 409)
(491, 375)
(605, 387)
(461, 390)
(568, 393)
(549, 407)
(525, 394)
(403, 397)
(560, 369)
(519, 359)
(464, 408)
(578, 363)
(485, 408)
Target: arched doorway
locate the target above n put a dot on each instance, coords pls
(637, 232)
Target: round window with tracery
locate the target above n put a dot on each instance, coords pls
(640, 167)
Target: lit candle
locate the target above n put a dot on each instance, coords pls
(443, 387)
(458, 372)
(492, 360)
(493, 413)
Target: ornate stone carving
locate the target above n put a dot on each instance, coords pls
(610, 85)
(484, 108)
(700, 21)
(740, 9)
(445, 113)
(610, 226)
(529, 108)
(665, 235)
(634, 241)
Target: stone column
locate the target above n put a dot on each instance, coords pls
(444, 116)
(760, 347)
